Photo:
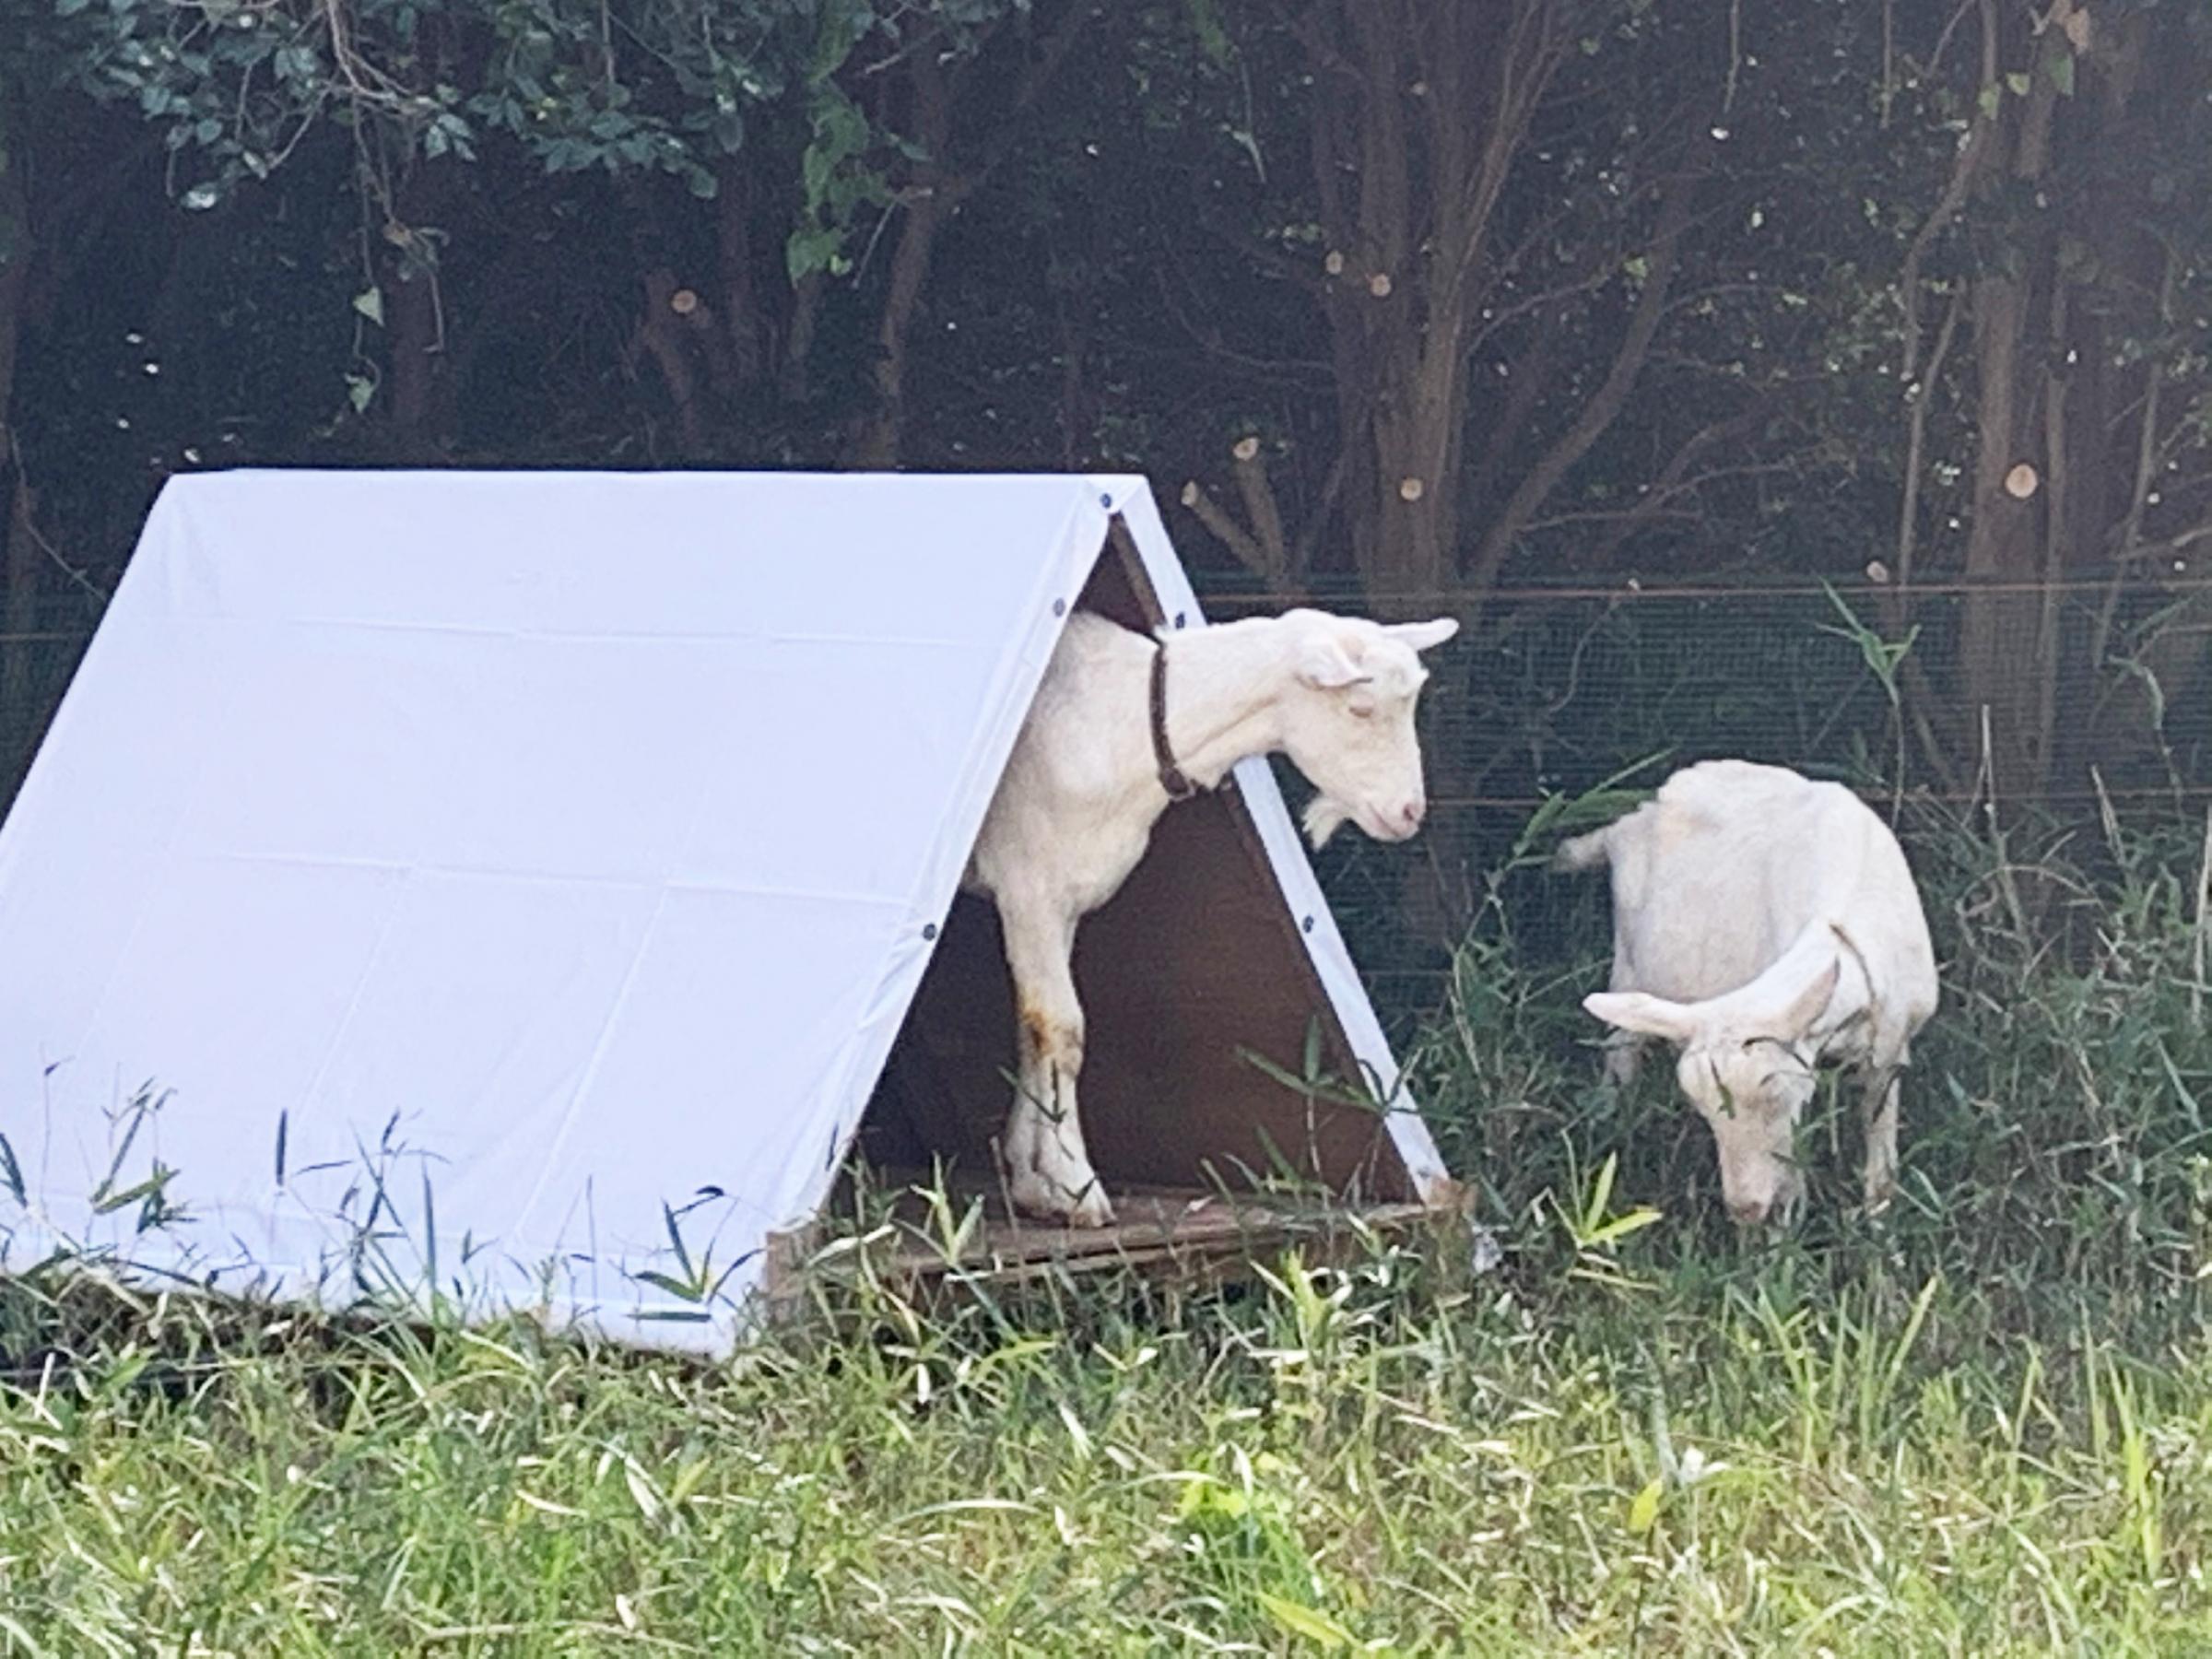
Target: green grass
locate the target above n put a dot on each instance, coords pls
(1982, 1426)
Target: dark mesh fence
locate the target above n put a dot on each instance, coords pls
(2037, 701)
(40, 642)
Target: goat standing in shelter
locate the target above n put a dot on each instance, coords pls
(1762, 923)
(1086, 780)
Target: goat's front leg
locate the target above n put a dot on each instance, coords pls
(1624, 1058)
(1047, 1171)
(1623, 1050)
(1879, 1109)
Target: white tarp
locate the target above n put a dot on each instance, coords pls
(472, 876)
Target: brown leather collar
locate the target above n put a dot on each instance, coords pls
(1179, 787)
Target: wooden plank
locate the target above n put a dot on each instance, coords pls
(1181, 1234)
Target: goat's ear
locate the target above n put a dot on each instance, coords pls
(1806, 1006)
(1325, 663)
(1424, 636)
(1646, 1016)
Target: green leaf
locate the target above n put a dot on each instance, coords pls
(675, 1239)
(1621, 1227)
(1601, 1194)
(369, 302)
(1213, 35)
(839, 125)
(11, 1172)
(1301, 1620)
(808, 251)
(2061, 64)
(360, 389)
(815, 168)
(2019, 83)
(833, 45)
(112, 1202)
(1643, 1510)
(1991, 95)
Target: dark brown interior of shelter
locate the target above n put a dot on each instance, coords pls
(1196, 961)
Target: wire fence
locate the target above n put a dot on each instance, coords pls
(2050, 699)
(41, 641)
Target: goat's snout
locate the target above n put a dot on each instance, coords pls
(1748, 1212)
(1411, 814)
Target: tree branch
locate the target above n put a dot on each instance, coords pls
(1309, 535)
(1231, 533)
(1605, 406)
(1524, 69)
(1673, 480)
(1036, 76)
(1979, 136)
(1922, 394)
(1260, 504)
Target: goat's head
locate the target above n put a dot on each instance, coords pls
(1348, 718)
(1746, 1063)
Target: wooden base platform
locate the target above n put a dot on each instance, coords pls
(917, 1233)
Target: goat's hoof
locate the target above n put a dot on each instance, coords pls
(1091, 1209)
(1047, 1200)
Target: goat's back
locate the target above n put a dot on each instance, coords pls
(1722, 871)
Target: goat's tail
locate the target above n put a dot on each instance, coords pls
(1584, 852)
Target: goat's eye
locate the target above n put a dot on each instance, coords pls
(1360, 710)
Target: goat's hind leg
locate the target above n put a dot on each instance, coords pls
(1047, 1168)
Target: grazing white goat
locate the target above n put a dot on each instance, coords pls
(1122, 725)
(1763, 923)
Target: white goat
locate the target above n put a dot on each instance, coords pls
(1762, 923)
(1090, 774)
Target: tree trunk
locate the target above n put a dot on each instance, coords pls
(1998, 677)
(928, 202)
(742, 322)
(416, 402)
(1416, 399)
(794, 384)
(661, 332)
(414, 337)
(2050, 477)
